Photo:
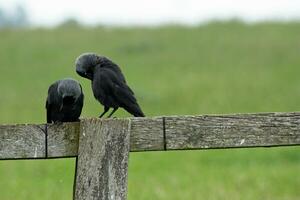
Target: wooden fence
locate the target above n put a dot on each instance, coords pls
(102, 147)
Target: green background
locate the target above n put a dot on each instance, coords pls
(215, 68)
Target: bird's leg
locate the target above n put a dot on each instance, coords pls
(105, 111)
(114, 110)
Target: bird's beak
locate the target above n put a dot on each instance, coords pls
(84, 74)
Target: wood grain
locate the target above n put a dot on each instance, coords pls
(22, 141)
(231, 131)
(63, 139)
(150, 134)
(103, 160)
(146, 134)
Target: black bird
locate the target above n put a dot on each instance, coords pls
(64, 102)
(108, 83)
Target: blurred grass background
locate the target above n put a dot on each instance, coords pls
(215, 68)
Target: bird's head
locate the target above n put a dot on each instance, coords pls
(69, 90)
(86, 63)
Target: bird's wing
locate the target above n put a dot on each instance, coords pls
(80, 101)
(48, 116)
(127, 100)
(121, 92)
(48, 103)
(51, 100)
(109, 64)
(81, 98)
(52, 95)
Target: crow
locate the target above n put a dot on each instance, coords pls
(108, 84)
(65, 101)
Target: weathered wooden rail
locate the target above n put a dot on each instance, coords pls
(102, 146)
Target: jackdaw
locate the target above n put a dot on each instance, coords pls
(108, 83)
(65, 101)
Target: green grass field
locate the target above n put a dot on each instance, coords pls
(217, 68)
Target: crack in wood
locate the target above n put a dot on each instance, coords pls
(45, 131)
(164, 133)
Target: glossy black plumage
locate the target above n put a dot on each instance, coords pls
(64, 101)
(108, 84)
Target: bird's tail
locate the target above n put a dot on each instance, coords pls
(135, 110)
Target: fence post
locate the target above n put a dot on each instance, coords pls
(102, 160)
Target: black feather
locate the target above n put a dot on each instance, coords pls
(65, 101)
(108, 84)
